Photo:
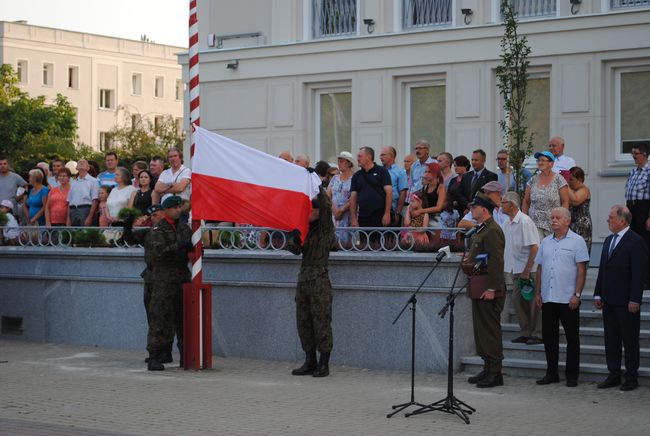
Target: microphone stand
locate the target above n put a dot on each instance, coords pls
(450, 404)
(413, 302)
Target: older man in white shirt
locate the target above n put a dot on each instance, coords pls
(82, 197)
(522, 244)
(562, 162)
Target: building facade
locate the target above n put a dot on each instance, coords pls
(322, 76)
(110, 81)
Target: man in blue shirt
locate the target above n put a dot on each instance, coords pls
(561, 273)
(503, 168)
(107, 178)
(399, 182)
(422, 149)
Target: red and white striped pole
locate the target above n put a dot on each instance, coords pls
(197, 300)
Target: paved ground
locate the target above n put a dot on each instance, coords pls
(70, 390)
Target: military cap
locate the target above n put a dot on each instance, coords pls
(172, 201)
(480, 199)
(154, 208)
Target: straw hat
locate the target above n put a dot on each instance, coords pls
(348, 156)
(72, 166)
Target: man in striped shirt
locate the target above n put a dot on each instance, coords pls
(637, 193)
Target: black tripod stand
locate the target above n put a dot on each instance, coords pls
(450, 404)
(413, 302)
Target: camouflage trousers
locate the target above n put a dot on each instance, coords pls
(165, 315)
(314, 313)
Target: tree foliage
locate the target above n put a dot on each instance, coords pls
(512, 81)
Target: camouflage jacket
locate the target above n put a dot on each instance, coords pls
(491, 240)
(142, 237)
(170, 247)
(319, 241)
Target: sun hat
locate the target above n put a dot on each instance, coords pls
(527, 288)
(546, 154)
(72, 166)
(348, 156)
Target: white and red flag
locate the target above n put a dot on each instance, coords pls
(234, 182)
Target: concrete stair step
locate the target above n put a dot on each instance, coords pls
(588, 353)
(588, 335)
(537, 368)
(588, 318)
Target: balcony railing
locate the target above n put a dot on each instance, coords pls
(623, 4)
(334, 17)
(534, 8)
(425, 13)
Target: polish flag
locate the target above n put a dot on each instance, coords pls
(234, 182)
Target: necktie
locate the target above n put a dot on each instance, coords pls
(612, 245)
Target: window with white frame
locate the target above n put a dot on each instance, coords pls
(48, 74)
(179, 127)
(534, 8)
(136, 121)
(73, 77)
(158, 123)
(136, 84)
(538, 110)
(104, 141)
(334, 18)
(179, 89)
(333, 123)
(624, 4)
(106, 99)
(159, 87)
(425, 114)
(425, 13)
(632, 109)
(22, 71)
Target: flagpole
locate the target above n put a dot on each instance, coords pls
(201, 307)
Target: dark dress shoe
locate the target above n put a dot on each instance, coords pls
(309, 366)
(629, 385)
(520, 340)
(534, 340)
(548, 379)
(610, 382)
(478, 377)
(323, 368)
(572, 383)
(490, 381)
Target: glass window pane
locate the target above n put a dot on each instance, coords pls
(635, 108)
(335, 124)
(538, 111)
(428, 116)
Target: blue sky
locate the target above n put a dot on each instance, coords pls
(163, 21)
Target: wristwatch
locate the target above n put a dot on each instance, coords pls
(577, 295)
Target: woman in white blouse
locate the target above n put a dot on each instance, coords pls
(119, 197)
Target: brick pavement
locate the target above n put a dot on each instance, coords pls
(50, 389)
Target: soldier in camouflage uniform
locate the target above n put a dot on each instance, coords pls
(314, 290)
(143, 237)
(171, 241)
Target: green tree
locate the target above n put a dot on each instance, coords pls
(512, 81)
(140, 139)
(31, 130)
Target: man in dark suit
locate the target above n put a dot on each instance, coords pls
(618, 292)
(479, 176)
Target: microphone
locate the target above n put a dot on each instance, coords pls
(481, 261)
(444, 251)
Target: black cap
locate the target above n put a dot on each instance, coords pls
(172, 201)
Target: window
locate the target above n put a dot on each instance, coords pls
(157, 123)
(159, 87)
(22, 71)
(136, 121)
(622, 4)
(179, 90)
(423, 13)
(73, 77)
(48, 74)
(425, 111)
(632, 109)
(334, 17)
(136, 84)
(104, 141)
(179, 127)
(333, 123)
(534, 8)
(106, 99)
(538, 111)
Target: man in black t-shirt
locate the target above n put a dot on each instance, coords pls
(372, 191)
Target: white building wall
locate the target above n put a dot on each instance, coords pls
(103, 63)
(270, 101)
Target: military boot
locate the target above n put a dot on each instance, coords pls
(323, 368)
(308, 367)
(155, 363)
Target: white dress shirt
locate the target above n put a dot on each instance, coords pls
(563, 163)
(521, 234)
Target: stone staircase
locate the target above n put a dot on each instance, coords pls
(530, 361)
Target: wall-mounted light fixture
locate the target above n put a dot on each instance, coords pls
(370, 24)
(233, 65)
(468, 15)
(575, 6)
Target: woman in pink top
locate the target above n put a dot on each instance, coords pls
(56, 212)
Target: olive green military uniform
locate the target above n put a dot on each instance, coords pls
(314, 291)
(170, 244)
(143, 237)
(486, 315)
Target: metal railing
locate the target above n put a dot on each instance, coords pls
(534, 8)
(334, 18)
(351, 239)
(623, 4)
(425, 13)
